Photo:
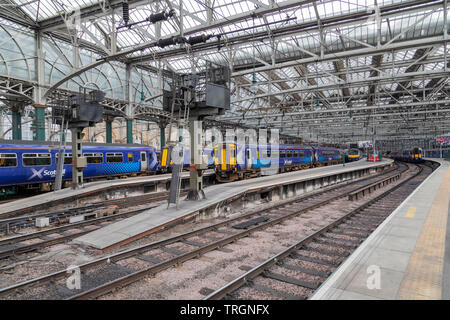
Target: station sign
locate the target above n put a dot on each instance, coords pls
(444, 141)
(365, 144)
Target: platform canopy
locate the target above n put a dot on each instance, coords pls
(339, 70)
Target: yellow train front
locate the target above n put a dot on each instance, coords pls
(416, 155)
(225, 162)
(353, 155)
(234, 161)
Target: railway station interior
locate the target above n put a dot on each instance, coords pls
(245, 150)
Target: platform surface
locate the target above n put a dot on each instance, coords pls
(157, 217)
(407, 257)
(88, 188)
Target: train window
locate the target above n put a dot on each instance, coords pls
(282, 154)
(130, 157)
(327, 153)
(67, 158)
(93, 157)
(142, 157)
(302, 153)
(36, 159)
(248, 153)
(114, 157)
(8, 159)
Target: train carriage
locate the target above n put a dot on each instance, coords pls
(412, 155)
(32, 164)
(353, 155)
(166, 163)
(233, 161)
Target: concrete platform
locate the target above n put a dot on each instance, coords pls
(408, 255)
(154, 219)
(45, 200)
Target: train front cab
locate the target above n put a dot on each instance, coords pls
(416, 155)
(165, 162)
(225, 162)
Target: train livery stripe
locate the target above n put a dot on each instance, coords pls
(164, 157)
(224, 159)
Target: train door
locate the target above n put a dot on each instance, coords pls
(248, 157)
(144, 161)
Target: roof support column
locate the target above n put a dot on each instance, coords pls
(113, 33)
(108, 124)
(129, 108)
(38, 92)
(16, 115)
(39, 122)
(129, 130)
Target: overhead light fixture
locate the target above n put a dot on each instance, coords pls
(254, 86)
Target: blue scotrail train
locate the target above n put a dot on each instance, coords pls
(32, 164)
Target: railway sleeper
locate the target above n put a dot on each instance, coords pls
(326, 252)
(334, 244)
(309, 271)
(150, 259)
(350, 231)
(275, 292)
(282, 278)
(192, 243)
(330, 237)
(301, 257)
(172, 251)
(347, 233)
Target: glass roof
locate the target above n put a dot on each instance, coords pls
(224, 17)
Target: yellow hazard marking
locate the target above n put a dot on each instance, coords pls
(411, 212)
(423, 278)
(357, 185)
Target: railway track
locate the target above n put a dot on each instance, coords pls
(15, 245)
(297, 271)
(62, 216)
(105, 274)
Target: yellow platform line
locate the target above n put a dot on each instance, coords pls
(423, 278)
(411, 212)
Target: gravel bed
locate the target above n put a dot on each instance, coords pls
(296, 274)
(199, 239)
(307, 264)
(342, 236)
(160, 254)
(212, 270)
(31, 293)
(317, 255)
(181, 247)
(134, 264)
(247, 293)
(325, 247)
(288, 288)
(30, 241)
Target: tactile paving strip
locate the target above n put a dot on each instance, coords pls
(423, 278)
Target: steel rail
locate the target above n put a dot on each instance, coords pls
(258, 270)
(133, 277)
(147, 247)
(60, 217)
